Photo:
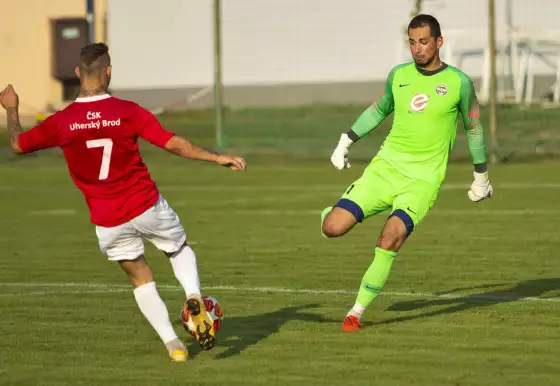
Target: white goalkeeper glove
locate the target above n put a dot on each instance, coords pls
(338, 157)
(480, 188)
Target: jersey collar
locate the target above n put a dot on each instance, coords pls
(94, 98)
(430, 73)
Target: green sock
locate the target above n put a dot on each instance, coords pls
(323, 215)
(376, 276)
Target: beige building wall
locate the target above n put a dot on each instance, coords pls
(25, 43)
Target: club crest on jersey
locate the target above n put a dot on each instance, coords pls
(441, 89)
(419, 102)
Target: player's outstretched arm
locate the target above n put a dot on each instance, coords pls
(186, 149)
(150, 129)
(10, 101)
(470, 111)
(42, 136)
(366, 123)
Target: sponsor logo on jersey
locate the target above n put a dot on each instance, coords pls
(419, 102)
(441, 89)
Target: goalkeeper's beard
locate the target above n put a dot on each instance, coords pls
(425, 63)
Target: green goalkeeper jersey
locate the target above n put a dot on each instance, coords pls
(427, 106)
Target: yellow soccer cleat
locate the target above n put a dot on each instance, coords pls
(178, 356)
(203, 325)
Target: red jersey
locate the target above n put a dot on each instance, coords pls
(99, 138)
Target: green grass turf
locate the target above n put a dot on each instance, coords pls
(453, 311)
(450, 313)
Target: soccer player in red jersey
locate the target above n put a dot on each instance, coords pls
(98, 135)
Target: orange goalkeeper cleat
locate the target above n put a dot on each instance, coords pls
(351, 323)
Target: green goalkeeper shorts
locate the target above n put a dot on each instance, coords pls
(382, 187)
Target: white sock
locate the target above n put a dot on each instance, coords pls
(357, 311)
(186, 271)
(155, 311)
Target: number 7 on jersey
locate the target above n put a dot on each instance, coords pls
(107, 145)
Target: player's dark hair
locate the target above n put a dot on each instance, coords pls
(423, 20)
(94, 58)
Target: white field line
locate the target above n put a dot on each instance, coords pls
(311, 190)
(298, 212)
(283, 197)
(337, 187)
(306, 187)
(444, 212)
(64, 292)
(53, 212)
(107, 288)
(180, 204)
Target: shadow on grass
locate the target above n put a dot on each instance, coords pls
(529, 290)
(241, 332)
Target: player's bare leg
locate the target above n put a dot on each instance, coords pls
(184, 266)
(337, 222)
(393, 235)
(151, 305)
(138, 271)
(390, 240)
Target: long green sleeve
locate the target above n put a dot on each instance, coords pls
(377, 112)
(470, 112)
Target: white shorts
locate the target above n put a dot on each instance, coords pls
(160, 225)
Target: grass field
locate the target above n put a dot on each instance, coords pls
(473, 298)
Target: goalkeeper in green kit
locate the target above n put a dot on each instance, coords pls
(405, 176)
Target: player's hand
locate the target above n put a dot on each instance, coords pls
(233, 162)
(480, 188)
(8, 98)
(339, 157)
